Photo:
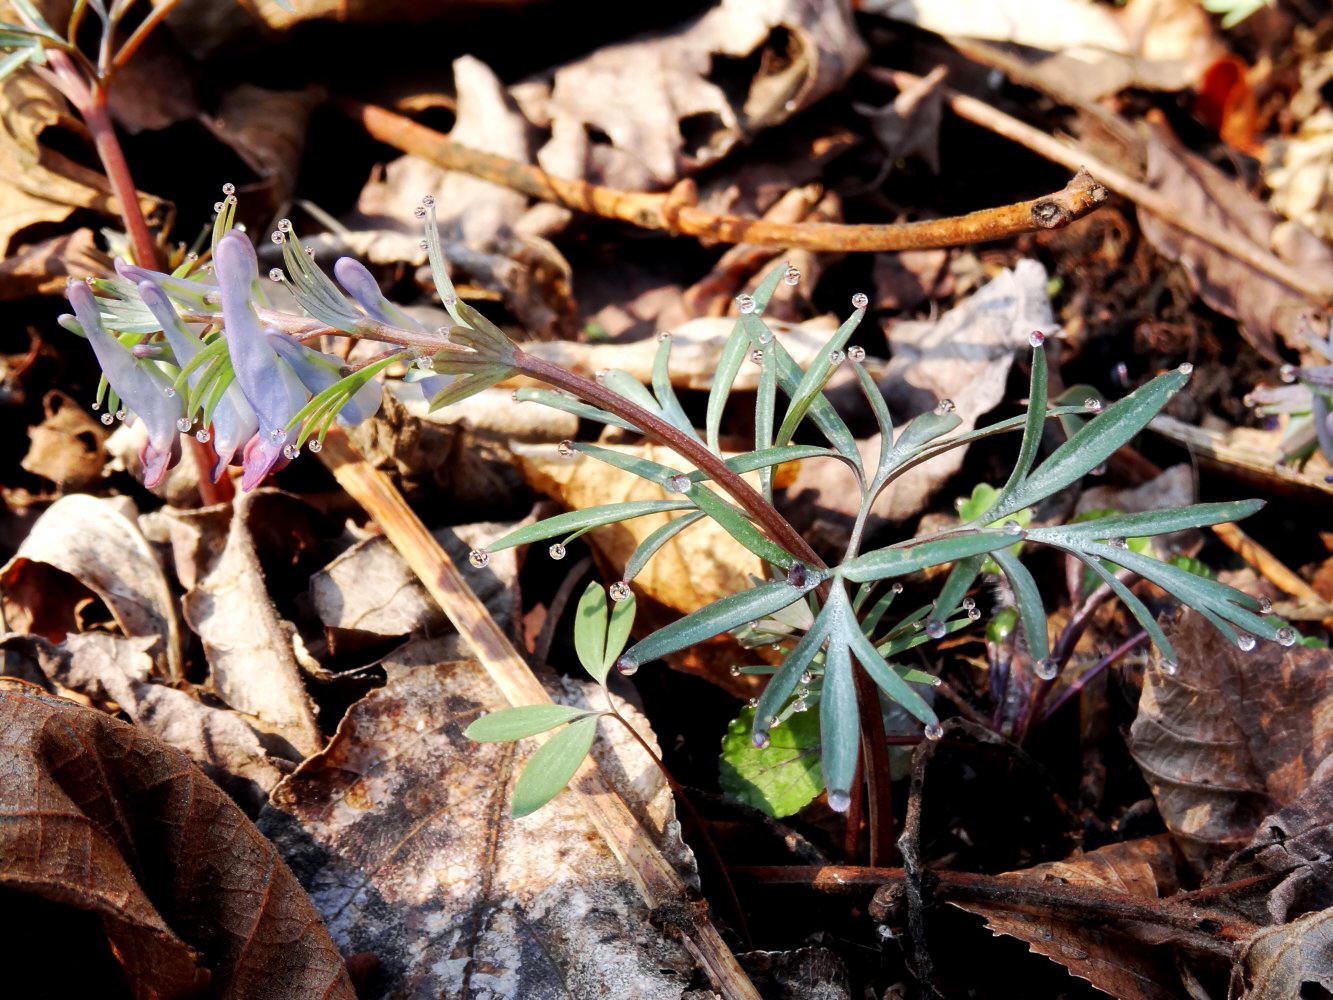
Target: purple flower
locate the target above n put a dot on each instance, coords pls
(318, 371)
(140, 385)
(271, 387)
(233, 422)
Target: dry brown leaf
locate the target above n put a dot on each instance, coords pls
(38, 184)
(66, 447)
(1232, 737)
(641, 114)
(401, 832)
(1265, 307)
(104, 819)
(44, 268)
(491, 412)
(1299, 172)
(266, 129)
(476, 210)
(1105, 956)
(1250, 454)
(1084, 48)
(1294, 960)
(370, 589)
(107, 668)
(249, 647)
(83, 546)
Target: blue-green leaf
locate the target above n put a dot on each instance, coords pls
(813, 381)
(898, 690)
(515, 723)
(1150, 522)
(617, 631)
(1028, 599)
(550, 768)
(590, 631)
(577, 520)
(881, 563)
(783, 683)
(839, 725)
(659, 537)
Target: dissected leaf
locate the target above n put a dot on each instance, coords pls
(105, 819)
(783, 777)
(1232, 736)
(80, 547)
(402, 825)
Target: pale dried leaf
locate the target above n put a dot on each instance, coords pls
(401, 832)
(83, 544)
(107, 820)
(66, 447)
(1300, 174)
(248, 646)
(1232, 736)
(492, 412)
(1105, 955)
(44, 268)
(267, 130)
(653, 103)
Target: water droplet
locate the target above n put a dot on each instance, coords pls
(799, 705)
(315, 445)
(202, 435)
(108, 419)
(183, 424)
(1265, 606)
(745, 303)
(619, 590)
(897, 587)
(933, 731)
(735, 670)
(935, 629)
(96, 405)
(275, 274)
(1046, 669)
(600, 374)
(170, 392)
(1287, 373)
(479, 557)
(765, 335)
(757, 356)
(276, 434)
(1245, 641)
(679, 483)
(278, 237)
(860, 300)
(856, 353)
(1186, 369)
(556, 551)
(428, 200)
(1117, 543)
(423, 245)
(806, 677)
(231, 200)
(1099, 471)
(974, 613)
(285, 225)
(839, 801)
(419, 211)
(191, 256)
(1170, 667)
(1287, 636)
(1036, 338)
(760, 741)
(425, 363)
(627, 666)
(212, 298)
(835, 358)
(797, 575)
(753, 702)
(218, 207)
(792, 276)
(1092, 404)
(120, 414)
(1012, 527)
(229, 188)
(565, 448)
(663, 335)
(944, 406)
(290, 451)
(968, 604)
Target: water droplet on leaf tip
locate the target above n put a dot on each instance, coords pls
(735, 670)
(663, 335)
(1265, 606)
(835, 358)
(1287, 373)
(479, 557)
(278, 237)
(1092, 404)
(423, 245)
(807, 677)
(792, 276)
(753, 703)
(619, 590)
(218, 207)
(192, 256)
(315, 445)
(285, 225)
(757, 357)
(968, 604)
(557, 551)
(745, 303)
(229, 188)
(565, 448)
(183, 424)
(799, 705)
(1036, 338)
(1245, 642)
(1170, 667)
(765, 336)
(897, 587)
(839, 801)
(1012, 527)
(290, 451)
(108, 419)
(760, 741)
(974, 613)
(202, 435)
(935, 629)
(96, 405)
(120, 414)
(627, 667)
(797, 575)
(275, 435)
(275, 274)
(933, 731)
(679, 483)
(419, 211)
(860, 300)
(856, 353)
(1186, 369)
(170, 392)
(944, 406)
(1046, 669)
(1287, 635)
(428, 200)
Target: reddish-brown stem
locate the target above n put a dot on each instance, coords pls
(98, 119)
(875, 770)
(1073, 689)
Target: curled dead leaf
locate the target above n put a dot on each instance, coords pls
(66, 447)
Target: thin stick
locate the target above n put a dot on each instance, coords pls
(1067, 155)
(676, 212)
(1270, 567)
(1210, 931)
(658, 883)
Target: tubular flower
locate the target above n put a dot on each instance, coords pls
(271, 387)
(140, 385)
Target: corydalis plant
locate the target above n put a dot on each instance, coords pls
(1307, 398)
(839, 634)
